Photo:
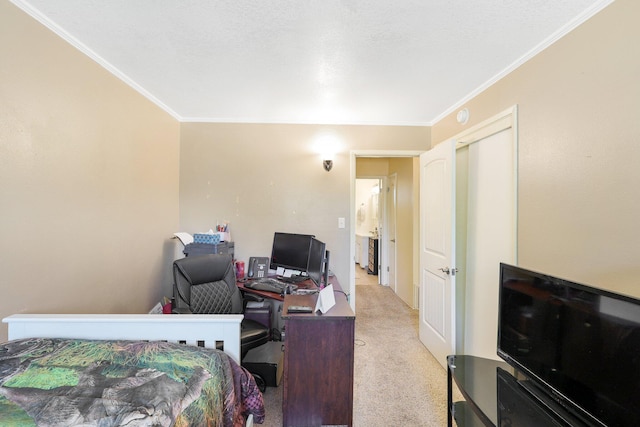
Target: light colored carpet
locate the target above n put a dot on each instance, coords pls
(397, 382)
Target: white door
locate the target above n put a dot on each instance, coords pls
(437, 250)
(391, 230)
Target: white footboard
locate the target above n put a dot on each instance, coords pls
(188, 328)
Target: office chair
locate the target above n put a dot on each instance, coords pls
(206, 284)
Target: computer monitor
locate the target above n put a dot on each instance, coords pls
(290, 251)
(317, 259)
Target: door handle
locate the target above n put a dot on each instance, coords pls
(446, 270)
(392, 240)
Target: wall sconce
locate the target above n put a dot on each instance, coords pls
(327, 145)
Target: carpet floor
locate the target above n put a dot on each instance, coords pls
(397, 382)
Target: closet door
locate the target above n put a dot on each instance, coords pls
(490, 237)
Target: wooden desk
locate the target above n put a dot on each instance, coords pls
(318, 363)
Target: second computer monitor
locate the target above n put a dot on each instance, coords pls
(317, 260)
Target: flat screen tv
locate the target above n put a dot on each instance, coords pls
(290, 251)
(575, 344)
(317, 261)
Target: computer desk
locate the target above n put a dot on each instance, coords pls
(317, 383)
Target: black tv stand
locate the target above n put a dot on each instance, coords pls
(550, 404)
(494, 395)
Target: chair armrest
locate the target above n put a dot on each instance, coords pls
(181, 311)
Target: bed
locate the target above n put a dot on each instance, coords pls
(125, 370)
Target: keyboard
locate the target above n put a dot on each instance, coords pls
(294, 279)
(270, 285)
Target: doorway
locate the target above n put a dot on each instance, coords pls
(385, 164)
(468, 208)
(368, 225)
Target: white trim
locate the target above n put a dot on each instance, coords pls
(501, 121)
(300, 122)
(384, 153)
(191, 328)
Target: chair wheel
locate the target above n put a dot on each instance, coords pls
(262, 385)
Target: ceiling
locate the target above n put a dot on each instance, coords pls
(405, 62)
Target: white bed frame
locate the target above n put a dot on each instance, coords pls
(188, 328)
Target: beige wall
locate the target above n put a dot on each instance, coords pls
(579, 151)
(372, 166)
(88, 180)
(264, 178)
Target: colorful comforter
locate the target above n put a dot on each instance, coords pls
(62, 382)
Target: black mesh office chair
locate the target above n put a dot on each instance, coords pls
(206, 284)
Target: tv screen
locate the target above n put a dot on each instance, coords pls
(290, 251)
(315, 266)
(578, 344)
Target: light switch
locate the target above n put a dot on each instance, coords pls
(341, 223)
